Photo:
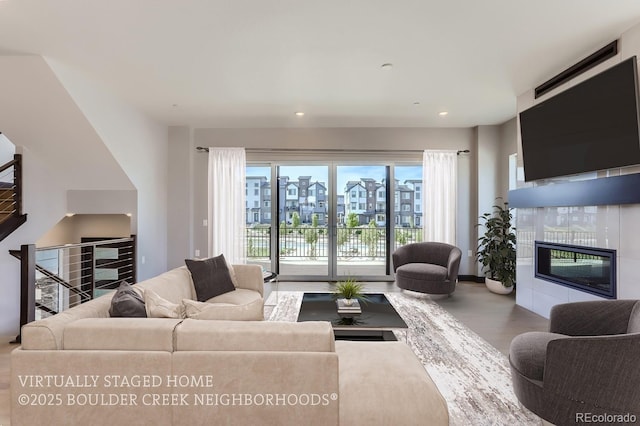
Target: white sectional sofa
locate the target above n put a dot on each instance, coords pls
(81, 367)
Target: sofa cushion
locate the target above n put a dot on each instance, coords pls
(158, 307)
(173, 285)
(528, 352)
(211, 277)
(127, 302)
(252, 311)
(377, 379)
(312, 336)
(120, 334)
(423, 271)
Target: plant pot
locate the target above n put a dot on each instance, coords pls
(348, 302)
(497, 287)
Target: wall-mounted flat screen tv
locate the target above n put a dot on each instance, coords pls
(590, 126)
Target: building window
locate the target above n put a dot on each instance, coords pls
(256, 204)
(362, 194)
(320, 192)
(370, 193)
(406, 208)
(354, 194)
(256, 185)
(267, 192)
(291, 191)
(256, 192)
(361, 206)
(417, 207)
(354, 206)
(267, 204)
(267, 216)
(406, 196)
(417, 195)
(380, 194)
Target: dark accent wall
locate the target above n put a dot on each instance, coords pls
(595, 192)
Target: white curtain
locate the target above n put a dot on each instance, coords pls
(227, 176)
(440, 182)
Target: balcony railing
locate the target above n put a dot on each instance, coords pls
(312, 242)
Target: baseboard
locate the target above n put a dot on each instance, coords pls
(472, 278)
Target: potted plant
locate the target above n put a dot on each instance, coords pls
(349, 290)
(497, 249)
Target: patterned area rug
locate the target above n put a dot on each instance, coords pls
(472, 375)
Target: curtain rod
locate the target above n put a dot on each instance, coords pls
(203, 149)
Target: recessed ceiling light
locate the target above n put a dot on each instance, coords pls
(443, 113)
(416, 103)
(70, 214)
(174, 105)
(386, 66)
(299, 113)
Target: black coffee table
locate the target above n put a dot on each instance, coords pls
(376, 322)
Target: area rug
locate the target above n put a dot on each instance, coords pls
(473, 376)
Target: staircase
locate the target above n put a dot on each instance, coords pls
(11, 216)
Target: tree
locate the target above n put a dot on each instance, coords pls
(311, 237)
(371, 237)
(352, 220)
(295, 219)
(314, 220)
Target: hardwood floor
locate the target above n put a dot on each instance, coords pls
(495, 318)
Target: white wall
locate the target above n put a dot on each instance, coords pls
(71, 230)
(61, 151)
(180, 197)
(617, 225)
(401, 139)
(139, 145)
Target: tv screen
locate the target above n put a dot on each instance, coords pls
(590, 126)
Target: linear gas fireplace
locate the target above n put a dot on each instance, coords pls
(589, 269)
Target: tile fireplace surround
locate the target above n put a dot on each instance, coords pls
(615, 227)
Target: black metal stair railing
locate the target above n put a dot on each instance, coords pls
(57, 278)
(11, 216)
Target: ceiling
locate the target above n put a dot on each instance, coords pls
(254, 63)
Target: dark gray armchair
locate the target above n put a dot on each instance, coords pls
(588, 362)
(427, 267)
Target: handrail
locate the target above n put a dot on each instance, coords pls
(93, 243)
(9, 164)
(71, 274)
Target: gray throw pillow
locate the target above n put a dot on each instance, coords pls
(126, 302)
(211, 277)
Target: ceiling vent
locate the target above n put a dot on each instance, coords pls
(609, 51)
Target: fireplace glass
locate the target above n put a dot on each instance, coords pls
(583, 268)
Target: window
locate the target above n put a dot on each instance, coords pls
(354, 206)
(320, 191)
(256, 192)
(267, 203)
(406, 207)
(370, 193)
(361, 206)
(417, 207)
(256, 204)
(362, 194)
(380, 218)
(267, 192)
(267, 216)
(256, 185)
(256, 217)
(354, 194)
(406, 196)
(417, 195)
(303, 192)
(381, 194)
(291, 191)
(370, 206)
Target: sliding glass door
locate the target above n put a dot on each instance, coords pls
(303, 213)
(331, 220)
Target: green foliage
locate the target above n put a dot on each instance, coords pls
(295, 219)
(343, 236)
(352, 220)
(371, 237)
(314, 220)
(349, 289)
(311, 237)
(402, 236)
(497, 247)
